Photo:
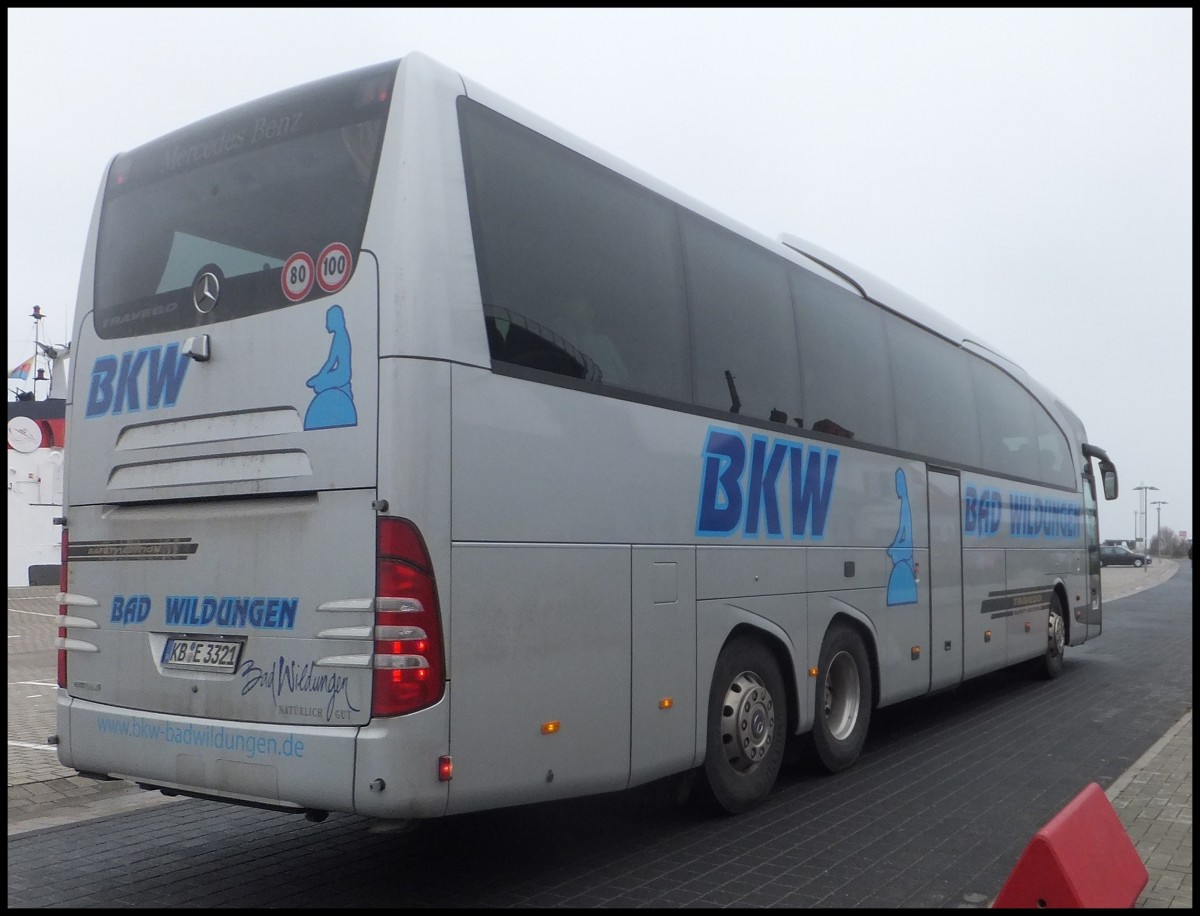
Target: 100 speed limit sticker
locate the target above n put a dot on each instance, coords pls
(333, 267)
(330, 271)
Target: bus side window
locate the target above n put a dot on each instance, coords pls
(583, 328)
(744, 352)
(845, 361)
(496, 343)
(539, 348)
(551, 225)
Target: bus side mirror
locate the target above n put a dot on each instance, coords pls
(1108, 470)
(1109, 476)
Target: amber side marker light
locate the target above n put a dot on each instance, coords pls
(550, 728)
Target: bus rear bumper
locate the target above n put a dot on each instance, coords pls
(377, 770)
(288, 767)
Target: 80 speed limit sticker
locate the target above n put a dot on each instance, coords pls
(297, 277)
(333, 267)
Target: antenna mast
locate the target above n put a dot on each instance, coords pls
(39, 374)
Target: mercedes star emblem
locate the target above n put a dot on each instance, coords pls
(205, 292)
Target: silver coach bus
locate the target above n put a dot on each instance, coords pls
(427, 459)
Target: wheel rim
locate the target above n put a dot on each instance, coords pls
(1058, 633)
(747, 722)
(843, 696)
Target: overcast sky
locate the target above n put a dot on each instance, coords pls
(1028, 173)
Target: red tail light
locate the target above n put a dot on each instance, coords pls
(62, 611)
(408, 658)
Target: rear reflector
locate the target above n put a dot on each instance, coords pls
(62, 610)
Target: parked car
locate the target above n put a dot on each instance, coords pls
(1122, 556)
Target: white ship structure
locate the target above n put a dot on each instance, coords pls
(36, 439)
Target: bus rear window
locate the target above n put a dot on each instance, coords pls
(237, 196)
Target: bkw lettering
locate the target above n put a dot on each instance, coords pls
(739, 487)
(117, 385)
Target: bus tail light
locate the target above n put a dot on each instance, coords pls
(409, 671)
(62, 611)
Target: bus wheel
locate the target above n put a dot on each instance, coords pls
(843, 711)
(1056, 639)
(747, 724)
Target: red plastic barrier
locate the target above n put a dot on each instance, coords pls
(1082, 858)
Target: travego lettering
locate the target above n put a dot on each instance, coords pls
(152, 311)
(739, 486)
(116, 385)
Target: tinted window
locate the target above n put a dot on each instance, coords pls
(743, 327)
(1006, 425)
(845, 372)
(579, 268)
(1054, 454)
(935, 406)
(237, 195)
(587, 275)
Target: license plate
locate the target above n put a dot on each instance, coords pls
(220, 655)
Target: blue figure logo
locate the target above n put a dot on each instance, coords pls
(902, 583)
(333, 403)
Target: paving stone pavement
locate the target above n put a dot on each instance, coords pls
(1153, 798)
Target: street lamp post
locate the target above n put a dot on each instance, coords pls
(1158, 531)
(1145, 540)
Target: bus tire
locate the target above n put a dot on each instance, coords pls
(843, 710)
(747, 726)
(1056, 639)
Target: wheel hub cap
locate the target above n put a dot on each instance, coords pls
(1058, 634)
(842, 695)
(747, 722)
